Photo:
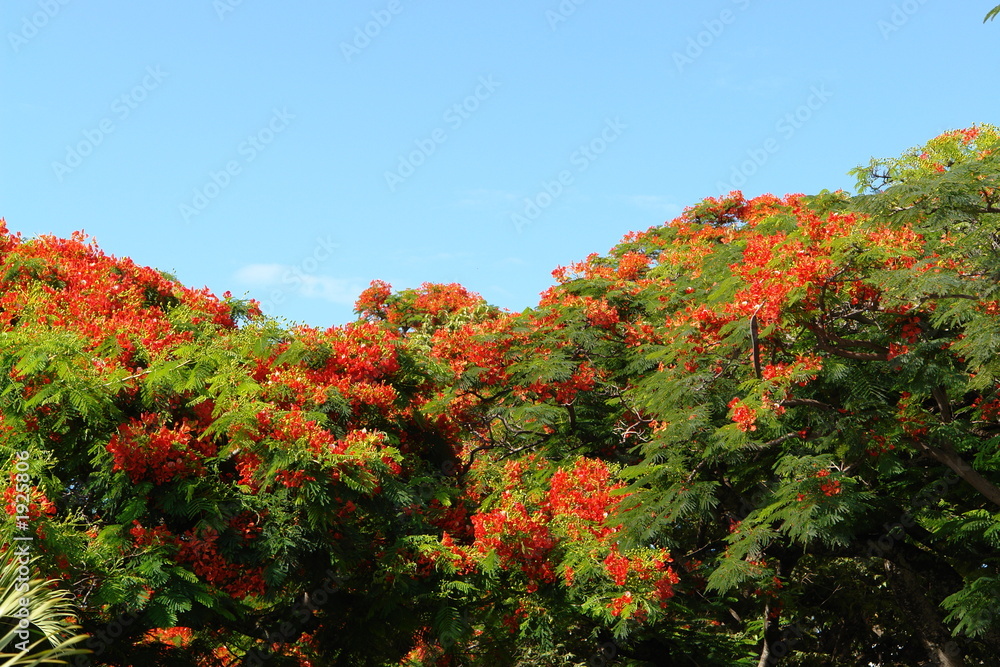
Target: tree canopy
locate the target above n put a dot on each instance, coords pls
(765, 432)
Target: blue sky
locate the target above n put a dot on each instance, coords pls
(295, 151)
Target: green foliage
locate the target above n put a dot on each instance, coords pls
(48, 634)
(768, 425)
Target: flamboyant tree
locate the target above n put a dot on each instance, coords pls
(290, 493)
(804, 392)
(763, 432)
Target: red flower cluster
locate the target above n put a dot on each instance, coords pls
(617, 567)
(600, 313)
(665, 586)
(71, 285)
(430, 306)
(519, 539)
(743, 415)
(201, 551)
(146, 449)
(38, 503)
(801, 371)
(178, 637)
(830, 488)
(584, 493)
(618, 604)
(293, 479)
(631, 265)
(574, 510)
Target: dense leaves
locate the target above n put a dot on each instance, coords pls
(766, 431)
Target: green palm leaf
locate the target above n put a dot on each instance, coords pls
(50, 610)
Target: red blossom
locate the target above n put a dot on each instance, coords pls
(743, 415)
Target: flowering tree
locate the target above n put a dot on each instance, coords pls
(765, 431)
(807, 384)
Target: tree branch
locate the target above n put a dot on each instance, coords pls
(944, 405)
(755, 342)
(778, 441)
(823, 342)
(949, 457)
(794, 402)
(847, 354)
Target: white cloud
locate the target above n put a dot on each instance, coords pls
(292, 280)
(328, 288)
(262, 275)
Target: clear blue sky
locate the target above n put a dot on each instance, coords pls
(275, 150)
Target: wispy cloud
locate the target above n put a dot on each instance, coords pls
(260, 275)
(334, 290)
(292, 280)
